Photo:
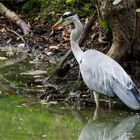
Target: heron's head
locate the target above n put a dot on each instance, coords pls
(65, 19)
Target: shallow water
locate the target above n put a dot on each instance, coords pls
(25, 118)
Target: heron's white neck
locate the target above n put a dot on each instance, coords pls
(74, 37)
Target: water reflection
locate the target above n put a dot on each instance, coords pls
(25, 119)
(111, 128)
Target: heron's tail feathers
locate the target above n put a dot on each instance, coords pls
(130, 97)
(136, 93)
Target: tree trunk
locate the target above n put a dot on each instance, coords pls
(124, 23)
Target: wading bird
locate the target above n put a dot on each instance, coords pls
(100, 73)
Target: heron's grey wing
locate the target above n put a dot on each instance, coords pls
(126, 95)
(104, 75)
(95, 72)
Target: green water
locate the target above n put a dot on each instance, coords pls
(25, 118)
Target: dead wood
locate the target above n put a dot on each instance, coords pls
(13, 17)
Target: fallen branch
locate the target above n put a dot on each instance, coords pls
(21, 37)
(12, 16)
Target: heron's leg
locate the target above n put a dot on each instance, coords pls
(96, 114)
(96, 97)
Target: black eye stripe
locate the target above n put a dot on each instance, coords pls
(67, 15)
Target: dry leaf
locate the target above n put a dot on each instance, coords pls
(2, 30)
(54, 47)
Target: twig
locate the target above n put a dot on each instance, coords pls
(21, 37)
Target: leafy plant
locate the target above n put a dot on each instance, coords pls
(81, 7)
(31, 5)
(69, 1)
(105, 25)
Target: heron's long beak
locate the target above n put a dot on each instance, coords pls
(57, 24)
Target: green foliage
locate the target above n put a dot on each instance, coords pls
(86, 7)
(80, 7)
(32, 5)
(69, 1)
(105, 24)
(77, 84)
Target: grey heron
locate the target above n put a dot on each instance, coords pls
(100, 72)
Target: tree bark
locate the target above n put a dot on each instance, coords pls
(12, 16)
(124, 23)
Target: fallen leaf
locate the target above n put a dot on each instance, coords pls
(2, 30)
(54, 47)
